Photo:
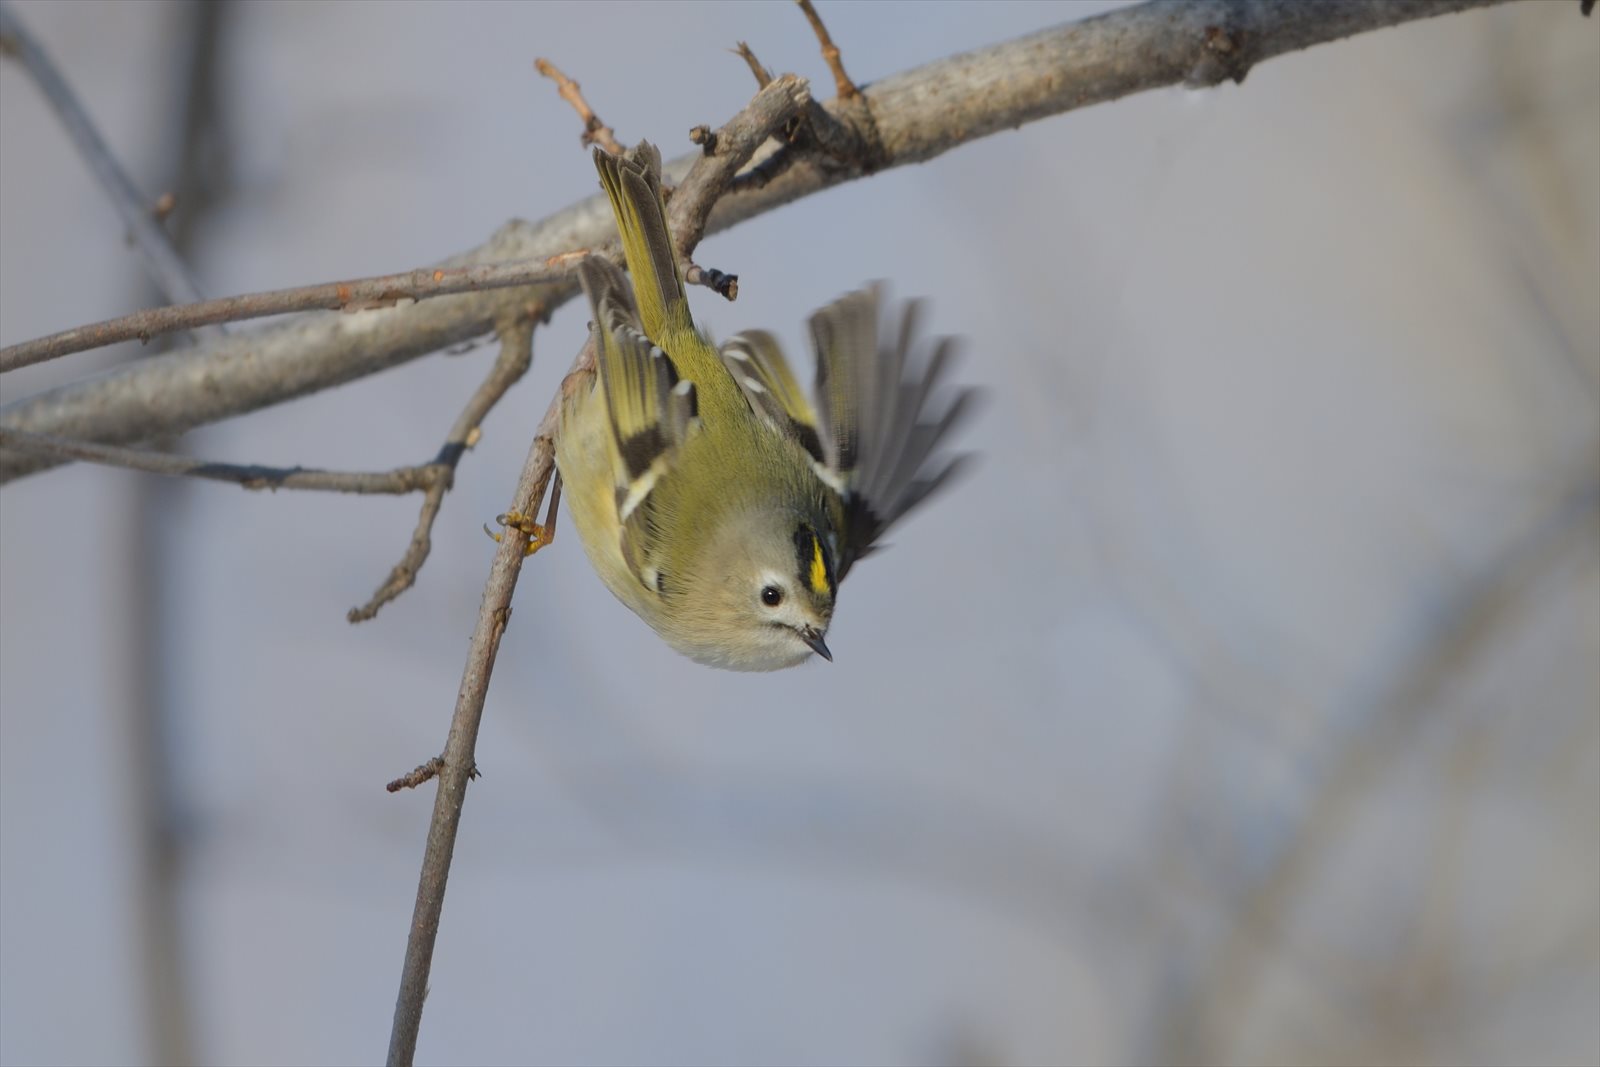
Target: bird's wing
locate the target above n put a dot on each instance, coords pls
(651, 412)
(879, 429)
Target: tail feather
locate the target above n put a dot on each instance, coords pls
(633, 183)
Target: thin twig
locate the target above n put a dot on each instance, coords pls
(594, 131)
(830, 52)
(704, 137)
(723, 284)
(762, 76)
(358, 294)
(516, 355)
(166, 266)
(435, 477)
(395, 482)
(458, 764)
(425, 772)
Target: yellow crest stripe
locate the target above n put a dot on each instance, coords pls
(819, 569)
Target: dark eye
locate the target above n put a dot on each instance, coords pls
(772, 596)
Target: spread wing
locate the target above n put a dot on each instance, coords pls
(650, 411)
(879, 427)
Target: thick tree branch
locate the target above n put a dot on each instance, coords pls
(914, 116)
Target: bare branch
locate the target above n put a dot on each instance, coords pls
(359, 294)
(516, 355)
(916, 115)
(422, 773)
(166, 266)
(396, 482)
(457, 764)
(435, 477)
(709, 177)
(594, 131)
(762, 76)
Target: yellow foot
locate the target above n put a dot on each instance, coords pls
(537, 536)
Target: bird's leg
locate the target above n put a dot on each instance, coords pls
(537, 535)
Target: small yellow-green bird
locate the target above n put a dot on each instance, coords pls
(709, 494)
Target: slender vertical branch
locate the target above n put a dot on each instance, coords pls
(458, 763)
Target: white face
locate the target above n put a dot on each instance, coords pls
(748, 608)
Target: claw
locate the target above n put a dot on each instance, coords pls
(537, 536)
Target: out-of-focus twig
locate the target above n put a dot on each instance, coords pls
(167, 267)
(1452, 634)
(760, 73)
(830, 52)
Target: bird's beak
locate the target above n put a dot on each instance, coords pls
(813, 637)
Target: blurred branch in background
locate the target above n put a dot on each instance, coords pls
(1359, 744)
(194, 153)
(138, 213)
(914, 116)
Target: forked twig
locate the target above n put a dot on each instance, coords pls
(435, 478)
(516, 355)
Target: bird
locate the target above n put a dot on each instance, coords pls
(712, 496)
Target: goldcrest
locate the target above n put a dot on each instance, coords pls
(711, 496)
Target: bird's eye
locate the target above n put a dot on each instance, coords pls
(772, 596)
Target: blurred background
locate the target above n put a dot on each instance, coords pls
(1243, 706)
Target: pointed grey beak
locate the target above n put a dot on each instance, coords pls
(813, 637)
